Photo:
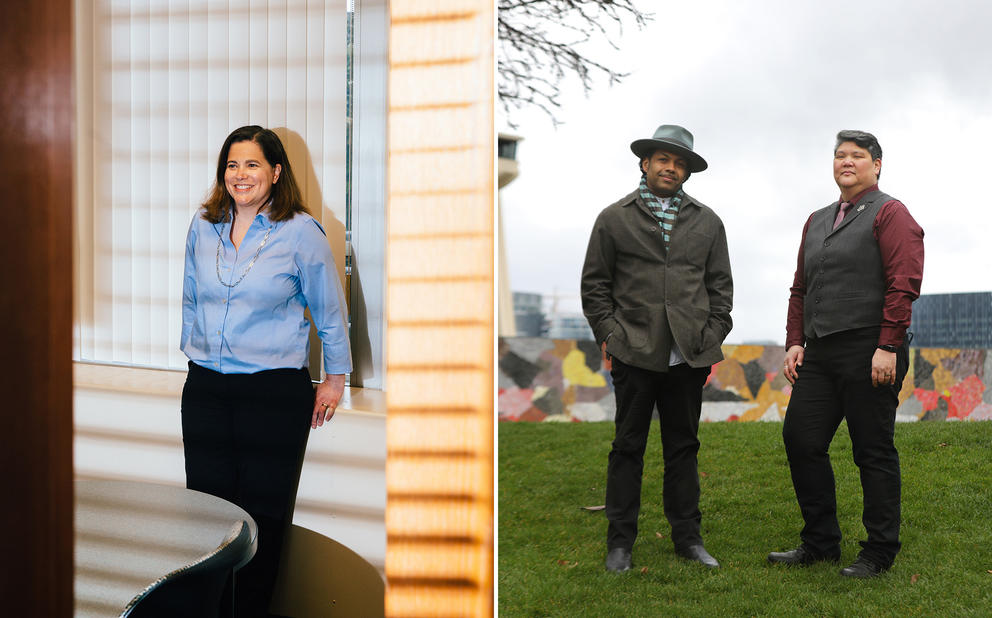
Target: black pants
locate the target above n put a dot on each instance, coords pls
(835, 383)
(678, 394)
(244, 436)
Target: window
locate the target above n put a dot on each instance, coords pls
(160, 84)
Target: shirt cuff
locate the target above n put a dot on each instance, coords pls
(892, 335)
(791, 340)
(337, 368)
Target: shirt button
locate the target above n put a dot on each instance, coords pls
(826, 243)
(218, 332)
(224, 301)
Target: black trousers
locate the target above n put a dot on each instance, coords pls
(678, 393)
(244, 436)
(834, 383)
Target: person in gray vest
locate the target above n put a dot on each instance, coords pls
(847, 351)
(657, 291)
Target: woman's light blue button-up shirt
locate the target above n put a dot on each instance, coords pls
(259, 324)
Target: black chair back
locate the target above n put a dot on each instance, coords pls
(202, 589)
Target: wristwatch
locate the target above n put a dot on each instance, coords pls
(889, 348)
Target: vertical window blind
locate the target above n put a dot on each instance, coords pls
(160, 84)
(439, 424)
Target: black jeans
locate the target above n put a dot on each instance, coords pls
(835, 383)
(678, 393)
(244, 436)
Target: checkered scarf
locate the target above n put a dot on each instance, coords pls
(666, 218)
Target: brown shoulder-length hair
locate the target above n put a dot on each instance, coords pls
(286, 198)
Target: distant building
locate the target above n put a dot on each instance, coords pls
(570, 326)
(506, 148)
(527, 314)
(953, 320)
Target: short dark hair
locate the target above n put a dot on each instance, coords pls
(287, 200)
(862, 139)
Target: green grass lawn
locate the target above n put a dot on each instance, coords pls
(551, 551)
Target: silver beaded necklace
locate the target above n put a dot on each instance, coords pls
(220, 244)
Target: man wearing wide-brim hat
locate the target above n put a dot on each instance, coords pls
(657, 291)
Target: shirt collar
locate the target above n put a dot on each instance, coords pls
(263, 217)
(857, 198)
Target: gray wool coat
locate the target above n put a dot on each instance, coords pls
(640, 299)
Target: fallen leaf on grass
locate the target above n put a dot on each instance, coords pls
(942, 444)
(989, 571)
(703, 474)
(601, 507)
(659, 535)
(644, 569)
(567, 564)
(914, 578)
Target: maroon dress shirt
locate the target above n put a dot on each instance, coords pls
(900, 242)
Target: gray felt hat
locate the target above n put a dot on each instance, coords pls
(672, 138)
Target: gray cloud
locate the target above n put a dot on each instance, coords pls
(765, 86)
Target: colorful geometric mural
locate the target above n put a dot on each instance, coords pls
(565, 380)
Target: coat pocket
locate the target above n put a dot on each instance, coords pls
(635, 325)
(695, 249)
(688, 326)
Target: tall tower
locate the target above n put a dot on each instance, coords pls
(508, 170)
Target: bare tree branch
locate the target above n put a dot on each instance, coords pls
(538, 47)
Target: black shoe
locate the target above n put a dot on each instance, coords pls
(618, 560)
(801, 556)
(697, 553)
(863, 568)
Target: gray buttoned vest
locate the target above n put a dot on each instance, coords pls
(845, 283)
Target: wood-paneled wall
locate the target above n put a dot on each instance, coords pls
(36, 174)
(439, 424)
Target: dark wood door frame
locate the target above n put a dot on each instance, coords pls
(36, 179)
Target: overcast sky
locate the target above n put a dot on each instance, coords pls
(764, 86)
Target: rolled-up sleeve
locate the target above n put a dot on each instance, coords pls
(324, 296)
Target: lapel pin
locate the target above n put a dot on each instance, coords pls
(861, 207)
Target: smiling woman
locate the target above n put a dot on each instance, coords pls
(158, 89)
(248, 400)
(249, 167)
(249, 176)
